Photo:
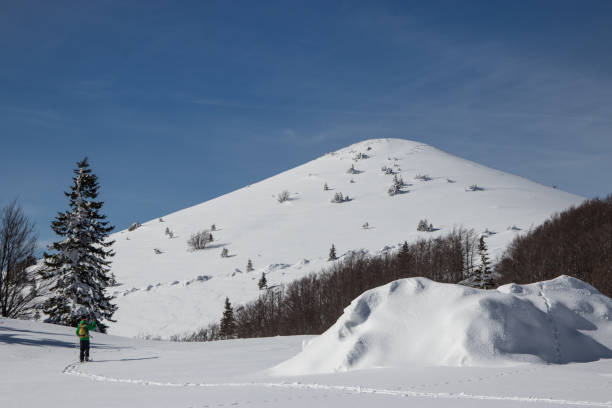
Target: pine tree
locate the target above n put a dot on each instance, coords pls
(78, 270)
(249, 266)
(484, 280)
(325, 187)
(227, 327)
(332, 253)
(263, 282)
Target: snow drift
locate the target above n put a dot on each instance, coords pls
(417, 321)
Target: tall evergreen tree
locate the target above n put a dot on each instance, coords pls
(227, 327)
(484, 280)
(78, 270)
(332, 253)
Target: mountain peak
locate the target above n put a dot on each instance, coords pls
(289, 238)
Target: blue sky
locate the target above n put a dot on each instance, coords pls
(179, 102)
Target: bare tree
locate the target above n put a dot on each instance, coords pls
(199, 240)
(283, 196)
(17, 245)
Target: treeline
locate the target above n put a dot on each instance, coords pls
(576, 242)
(312, 304)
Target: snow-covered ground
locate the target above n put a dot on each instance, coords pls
(175, 290)
(419, 321)
(39, 367)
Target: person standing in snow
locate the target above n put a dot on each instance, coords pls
(82, 331)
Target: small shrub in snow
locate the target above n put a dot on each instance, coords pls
(365, 226)
(360, 156)
(398, 181)
(213, 227)
(157, 251)
(393, 190)
(161, 219)
(450, 180)
(422, 177)
(425, 226)
(351, 181)
(169, 233)
(325, 187)
(199, 240)
(387, 170)
(283, 196)
(339, 198)
(352, 170)
(224, 253)
(134, 226)
(397, 185)
(249, 267)
(474, 187)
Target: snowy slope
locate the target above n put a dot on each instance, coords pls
(179, 290)
(39, 369)
(417, 321)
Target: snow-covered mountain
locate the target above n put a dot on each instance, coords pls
(167, 289)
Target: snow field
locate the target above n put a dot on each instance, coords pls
(39, 369)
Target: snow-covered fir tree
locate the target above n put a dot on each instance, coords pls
(393, 190)
(424, 225)
(227, 326)
(249, 266)
(78, 269)
(332, 253)
(263, 282)
(224, 253)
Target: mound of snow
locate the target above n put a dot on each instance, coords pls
(417, 321)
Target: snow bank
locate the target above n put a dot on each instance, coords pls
(420, 322)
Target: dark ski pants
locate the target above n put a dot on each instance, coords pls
(84, 350)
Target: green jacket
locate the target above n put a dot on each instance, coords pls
(89, 326)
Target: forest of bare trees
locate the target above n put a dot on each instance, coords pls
(576, 242)
(312, 304)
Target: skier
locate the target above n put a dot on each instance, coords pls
(82, 331)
